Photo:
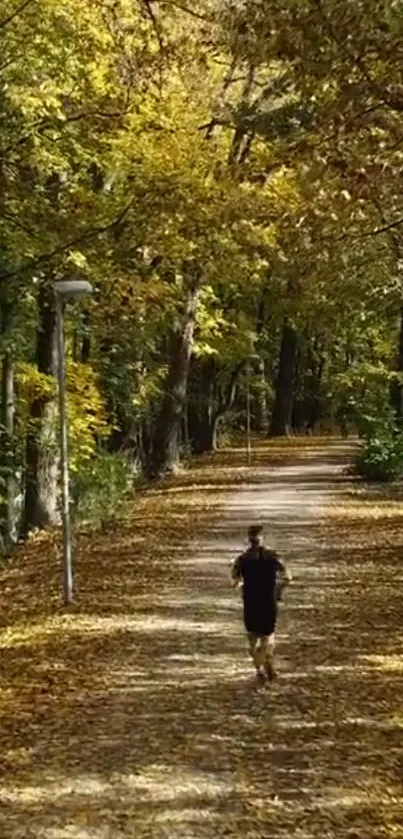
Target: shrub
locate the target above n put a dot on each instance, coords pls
(362, 400)
(86, 409)
(100, 486)
(381, 459)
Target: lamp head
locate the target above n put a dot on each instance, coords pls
(73, 288)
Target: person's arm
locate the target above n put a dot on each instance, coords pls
(283, 579)
(283, 572)
(236, 572)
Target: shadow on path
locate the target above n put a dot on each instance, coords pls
(156, 729)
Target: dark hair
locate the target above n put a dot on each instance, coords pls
(255, 530)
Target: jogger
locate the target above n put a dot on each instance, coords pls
(259, 571)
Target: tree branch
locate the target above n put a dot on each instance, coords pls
(15, 13)
(394, 240)
(384, 229)
(154, 21)
(344, 47)
(228, 402)
(185, 9)
(47, 122)
(43, 259)
(354, 237)
(16, 223)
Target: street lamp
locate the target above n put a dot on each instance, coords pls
(65, 290)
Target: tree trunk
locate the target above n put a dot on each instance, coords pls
(260, 410)
(42, 461)
(167, 429)
(86, 341)
(317, 400)
(204, 431)
(396, 387)
(209, 401)
(7, 450)
(301, 382)
(200, 405)
(282, 411)
(396, 390)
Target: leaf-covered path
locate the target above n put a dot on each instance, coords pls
(168, 736)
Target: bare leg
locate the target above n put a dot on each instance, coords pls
(269, 657)
(257, 651)
(254, 649)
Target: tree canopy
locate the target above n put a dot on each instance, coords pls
(228, 177)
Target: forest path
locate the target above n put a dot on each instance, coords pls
(178, 743)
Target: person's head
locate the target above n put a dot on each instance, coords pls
(255, 535)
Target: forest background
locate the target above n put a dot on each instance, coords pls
(228, 176)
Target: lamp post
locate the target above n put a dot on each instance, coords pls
(66, 290)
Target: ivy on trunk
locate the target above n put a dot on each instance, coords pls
(41, 467)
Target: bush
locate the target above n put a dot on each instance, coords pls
(381, 459)
(362, 400)
(100, 486)
(86, 410)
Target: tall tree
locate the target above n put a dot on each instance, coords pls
(41, 508)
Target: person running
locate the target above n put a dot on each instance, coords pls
(262, 576)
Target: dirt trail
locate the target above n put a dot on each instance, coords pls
(187, 748)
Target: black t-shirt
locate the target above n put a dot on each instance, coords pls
(258, 569)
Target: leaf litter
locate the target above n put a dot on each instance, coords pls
(134, 714)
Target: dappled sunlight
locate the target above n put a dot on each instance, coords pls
(71, 831)
(136, 713)
(93, 625)
(85, 786)
(360, 509)
(389, 663)
(292, 724)
(157, 795)
(155, 782)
